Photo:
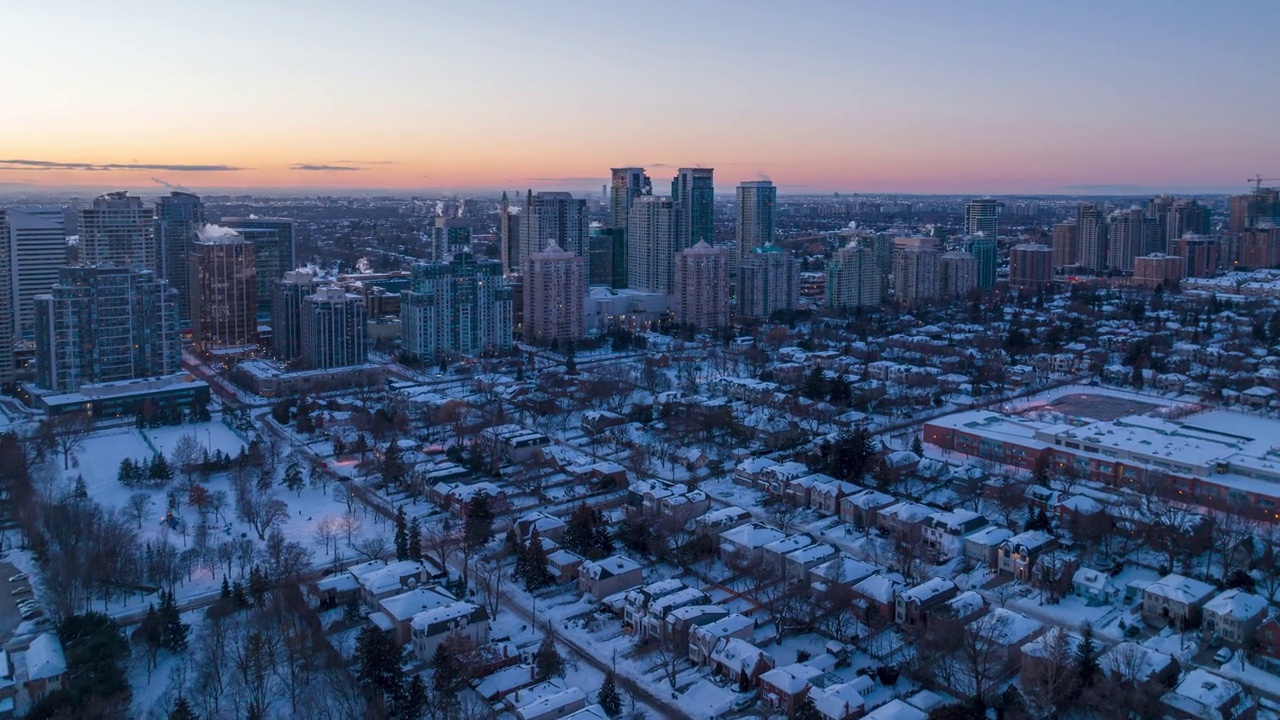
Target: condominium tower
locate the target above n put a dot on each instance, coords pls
(117, 230)
(555, 288)
(36, 243)
(702, 287)
(460, 307)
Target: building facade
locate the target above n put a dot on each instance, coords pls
(105, 324)
(1131, 233)
(178, 216)
(460, 307)
(1158, 269)
(8, 316)
(693, 190)
(652, 232)
(332, 332)
(1066, 246)
(552, 218)
(917, 271)
(756, 222)
(118, 230)
(855, 279)
(286, 314)
(768, 281)
(37, 248)
(982, 216)
(224, 289)
(1091, 233)
(960, 272)
(555, 289)
(274, 250)
(1031, 265)
(702, 287)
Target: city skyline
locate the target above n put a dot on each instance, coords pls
(927, 99)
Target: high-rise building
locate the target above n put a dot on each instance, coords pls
(118, 230)
(552, 218)
(555, 286)
(1259, 248)
(275, 252)
(1200, 253)
(768, 281)
(224, 289)
(460, 307)
(984, 251)
(178, 217)
(286, 314)
(702, 287)
(917, 271)
(1158, 269)
(651, 244)
(982, 216)
(105, 323)
(1066, 245)
(628, 184)
(693, 190)
(855, 279)
(757, 203)
(1030, 265)
(959, 272)
(600, 243)
(1257, 209)
(509, 234)
(37, 246)
(1185, 216)
(1131, 233)
(333, 329)
(7, 315)
(1091, 231)
(449, 236)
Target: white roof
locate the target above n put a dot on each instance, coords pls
(990, 536)
(1005, 626)
(1236, 603)
(1201, 694)
(753, 535)
(725, 626)
(880, 587)
(550, 703)
(44, 657)
(840, 699)
(896, 710)
(609, 567)
(1181, 589)
(1123, 659)
(927, 590)
(1040, 647)
(405, 605)
(792, 678)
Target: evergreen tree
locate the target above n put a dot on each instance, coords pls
(917, 446)
(151, 630)
(81, 490)
(258, 585)
(238, 595)
(293, 477)
(413, 701)
(182, 710)
(377, 660)
(125, 474)
(351, 611)
(159, 471)
(446, 671)
(226, 588)
(815, 384)
(547, 660)
(1087, 656)
(579, 532)
(175, 631)
(536, 574)
(415, 539)
(609, 699)
(520, 553)
(478, 529)
(401, 536)
(807, 709)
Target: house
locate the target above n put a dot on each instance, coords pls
(740, 662)
(1005, 631)
(595, 422)
(654, 621)
(516, 444)
(981, 547)
(842, 701)
(782, 687)
(46, 669)
(896, 464)
(912, 606)
(429, 628)
(553, 706)
(637, 601)
(703, 639)
(748, 472)
(896, 710)
(1203, 695)
(1053, 573)
(714, 522)
(798, 563)
(564, 565)
(1132, 664)
(1176, 600)
(1268, 635)
(944, 532)
(860, 509)
(546, 525)
(904, 519)
(843, 570)
(379, 580)
(497, 685)
(959, 610)
(778, 477)
(745, 543)
(401, 609)
(1038, 656)
(590, 712)
(601, 578)
(1233, 617)
(826, 495)
(879, 592)
(1017, 555)
(1075, 510)
(775, 552)
(681, 621)
(1095, 587)
(684, 505)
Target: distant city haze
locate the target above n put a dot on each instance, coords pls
(913, 97)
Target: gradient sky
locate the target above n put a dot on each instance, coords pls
(892, 96)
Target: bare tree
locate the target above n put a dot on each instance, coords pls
(136, 508)
(983, 653)
(187, 452)
(783, 513)
(351, 525)
(346, 494)
(1230, 534)
(326, 533)
(440, 539)
(373, 547)
(66, 433)
(1050, 679)
(490, 577)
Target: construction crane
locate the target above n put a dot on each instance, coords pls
(1257, 182)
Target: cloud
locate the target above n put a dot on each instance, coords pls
(171, 186)
(53, 165)
(315, 167)
(569, 179)
(368, 162)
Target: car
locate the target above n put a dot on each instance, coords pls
(18, 578)
(24, 590)
(1223, 655)
(32, 614)
(24, 604)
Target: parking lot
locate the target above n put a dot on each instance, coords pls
(9, 614)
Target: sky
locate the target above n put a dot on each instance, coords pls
(911, 96)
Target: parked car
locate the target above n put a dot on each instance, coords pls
(18, 578)
(1223, 655)
(24, 590)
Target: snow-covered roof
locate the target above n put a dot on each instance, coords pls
(844, 569)
(738, 654)
(44, 657)
(1236, 603)
(927, 590)
(1005, 627)
(1082, 504)
(1181, 589)
(1091, 579)
(791, 679)
(1030, 539)
(1201, 694)
(429, 620)
(726, 626)
(896, 710)
(1136, 662)
(551, 703)
(842, 699)
(1042, 646)
(990, 536)
(965, 604)
(405, 605)
(789, 544)
(609, 567)
(881, 587)
(752, 535)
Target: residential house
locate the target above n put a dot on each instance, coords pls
(402, 608)
(745, 543)
(703, 639)
(1233, 617)
(553, 705)
(982, 546)
(861, 508)
(681, 621)
(45, 670)
(1175, 600)
(1017, 555)
(714, 522)
(1039, 655)
(636, 602)
(430, 627)
(776, 478)
(843, 570)
(1268, 635)
(601, 578)
(1006, 632)
(595, 422)
(959, 610)
(1203, 695)
(842, 701)
(564, 565)
(547, 526)
(748, 472)
(508, 680)
(379, 582)
(1132, 664)
(825, 497)
(799, 563)
(945, 532)
(775, 552)
(912, 606)
(654, 621)
(740, 662)
(879, 593)
(1076, 510)
(896, 710)
(904, 519)
(783, 687)
(1095, 587)
(1053, 573)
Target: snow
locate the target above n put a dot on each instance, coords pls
(896, 710)
(44, 658)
